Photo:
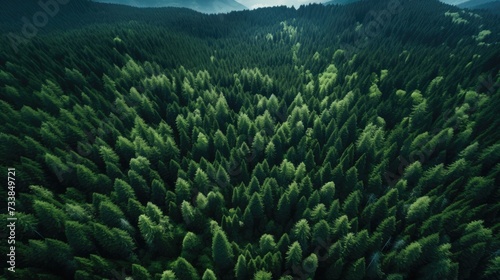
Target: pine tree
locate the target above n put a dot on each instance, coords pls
(302, 233)
(122, 192)
(262, 275)
(201, 181)
(310, 264)
(191, 245)
(208, 275)
(168, 275)
(182, 190)
(357, 270)
(115, 242)
(78, 238)
(418, 209)
(241, 270)
(50, 217)
(267, 244)
(158, 192)
(294, 254)
(184, 270)
(222, 252)
(409, 256)
(110, 214)
(140, 272)
(284, 207)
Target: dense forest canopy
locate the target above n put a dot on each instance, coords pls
(321, 142)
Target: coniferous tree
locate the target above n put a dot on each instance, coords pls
(294, 255)
(222, 252)
(184, 270)
(208, 275)
(241, 270)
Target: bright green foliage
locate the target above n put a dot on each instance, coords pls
(294, 254)
(302, 233)
(200, 147)
(191, 244)
(184, 270)
(418, 209)
(267, 244)
(168, 275)
(409, 256)
(310, 264)
(148, 229)
(209, 275)
(262, 275)
(188, 214)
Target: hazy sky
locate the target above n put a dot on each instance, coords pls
(252, 4)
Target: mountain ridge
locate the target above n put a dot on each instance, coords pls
(474, 4)
(208, 7)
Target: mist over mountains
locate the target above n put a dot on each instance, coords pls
(204, 6)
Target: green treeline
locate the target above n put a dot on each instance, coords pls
(277, 143)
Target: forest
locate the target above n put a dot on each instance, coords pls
(320, 142)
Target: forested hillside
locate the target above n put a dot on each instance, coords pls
(324, 142)
(204, 6)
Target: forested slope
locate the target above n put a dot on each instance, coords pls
(325, 142)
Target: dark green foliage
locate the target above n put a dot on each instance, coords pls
(115, 242)
(356, 270)
(184, 270)
(222, 252)
(78, 238)
(294, 255)
(241, 270)
(163, 143)
(50, 217)
(310, 264)
(140, 272)
(191, 245)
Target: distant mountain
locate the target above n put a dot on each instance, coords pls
(474, 4)
(490, 5)
(204, 6)
(453, 2)
(340, 2)
(450, 2)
